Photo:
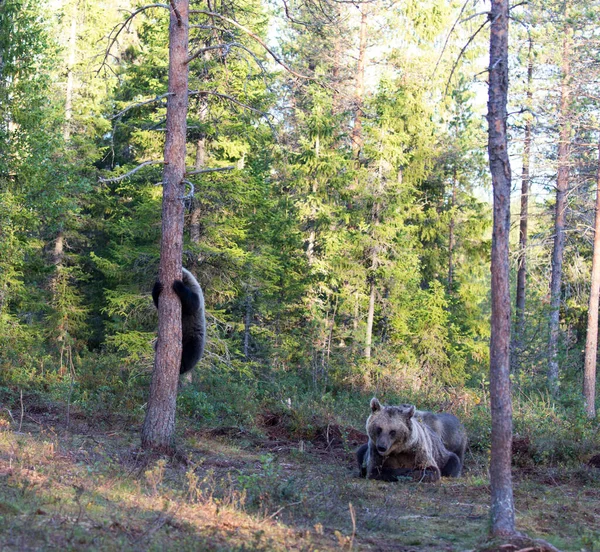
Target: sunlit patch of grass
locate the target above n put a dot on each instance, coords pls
(237, 492)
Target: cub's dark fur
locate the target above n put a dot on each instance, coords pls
(193, 322)
(402, 444)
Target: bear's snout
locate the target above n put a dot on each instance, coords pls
(381, 449)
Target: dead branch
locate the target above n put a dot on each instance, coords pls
(226, 97)
(139, 104)
(226, 47)
(119, 28)
(462, 52)
(215, 169)
(128, 174)
(255, 37)
(176, 12)
(200, 51)
(448, 37)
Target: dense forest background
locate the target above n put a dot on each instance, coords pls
(338, 213)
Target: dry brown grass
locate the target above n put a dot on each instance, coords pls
(92, 489)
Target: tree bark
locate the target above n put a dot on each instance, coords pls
(591, 342)
(70, 76)
(357, 137)
(247, 325)
(522, 262)
(200, 162)
(562, 186)
(372, 278)
(502, 507)
(159, 425)
(451, 236)
(370, 315)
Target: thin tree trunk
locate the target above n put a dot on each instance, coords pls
(375, 219)
(312, 233)
(502, 506)
(522, 264)
(357, 137)
(451, 237)
(159, 425)
(247, 325)
(70, 76)
(562, 185)
(591, 342)
(200, 162)
(370, 316)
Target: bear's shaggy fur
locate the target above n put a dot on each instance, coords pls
(193, 322)
(452, 433)
(402, 444)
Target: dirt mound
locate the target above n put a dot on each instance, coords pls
(322, 436)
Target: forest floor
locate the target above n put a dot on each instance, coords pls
(89, 487)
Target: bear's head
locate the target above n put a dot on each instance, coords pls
(390, 427)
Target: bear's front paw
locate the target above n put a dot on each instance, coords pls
(426, 475)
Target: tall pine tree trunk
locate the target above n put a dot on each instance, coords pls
(525, 177)
(502, 507)
(159, 425)
(562, 186)
(591, 342)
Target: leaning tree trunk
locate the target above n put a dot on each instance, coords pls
(591, 342)
(562, 185)
(159, 425)
(502, 508)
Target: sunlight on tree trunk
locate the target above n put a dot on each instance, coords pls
(159, 425)
(502, 507)
(591, 342)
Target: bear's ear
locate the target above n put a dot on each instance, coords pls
(411, 411)
(375, 405)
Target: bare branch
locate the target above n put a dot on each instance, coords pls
(177, 14)
(119, 28)
(128, 174)
(192, 190)
(200, 51)
(461, 53)
(226, 97)
(139, 104)
(478, 14)
(448, 37)
(255, 37)
(215, 169)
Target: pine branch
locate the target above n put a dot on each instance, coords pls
(255, 37)
(133, 171)
(119, 28)
(138, 104)
(215, 169)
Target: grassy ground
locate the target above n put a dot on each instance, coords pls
(90, 488)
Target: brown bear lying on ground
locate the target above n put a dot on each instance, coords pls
(404, 442)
